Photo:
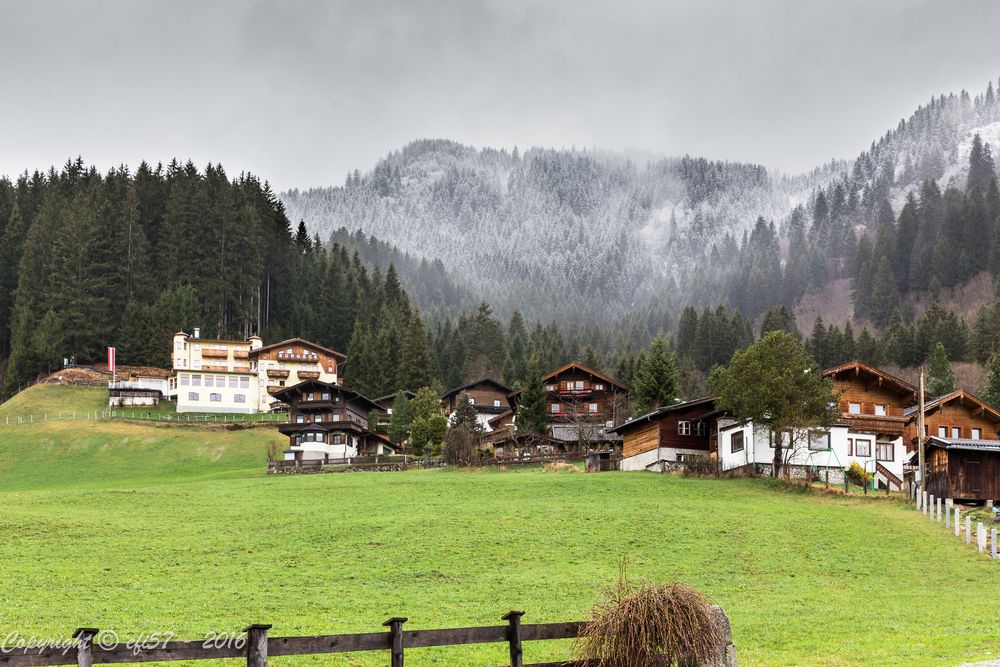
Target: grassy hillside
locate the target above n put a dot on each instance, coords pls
(58, 453)
(141, 528)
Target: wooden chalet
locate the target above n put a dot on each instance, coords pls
(489, 397)
(958, 415)
(671, 434)
(870, 400)
(290, 362)
(963, 469)
(575, 391)
(328, 421)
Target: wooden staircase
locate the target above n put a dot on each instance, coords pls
(890, 477)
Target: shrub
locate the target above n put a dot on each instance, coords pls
(274, 450)
(560, 466)
(461, 446)
(658, 626)
(857, 474)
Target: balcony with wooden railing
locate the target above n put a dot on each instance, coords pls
(308, 375)
(241, 354)
(214, 354)
(278, 373)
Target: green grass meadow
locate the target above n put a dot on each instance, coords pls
(141, 528)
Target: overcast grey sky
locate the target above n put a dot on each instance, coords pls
(301, 92)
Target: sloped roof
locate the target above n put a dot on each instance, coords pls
(902, 386)
(659, 412)
(487, 380)
(348, 394)
(958, 394)
(409, 394)
(299, 341)
(964, 443)
(586, 369)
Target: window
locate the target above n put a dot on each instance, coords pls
(185, 379)
(233, 382)
(178, 345)
(325, 396)
(496, 402)
(977, 434)
(854, 408)
(862, 447)
(554, 408)
(550, 387)
(240, 398)
(209, 381)
(196, 364)
(700, 429)
(884, 451)
(195, 380)
(471, 400)
(192, 396)
(942, 431)
(244, 383)
(592, 408)
(309, 396)
(819, 440)
(599, 386)
(881, 410)
(215, 398)
(736, 442)
(300, 419)
(850, 446)
(579, 384)
(784, 438)
(683, 428)
(956, 432)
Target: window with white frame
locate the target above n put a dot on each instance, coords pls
(550, 387)
(592, 408)
(233, 382)
(216, 398)
(784, 438)
(244, 383)
(736, 442)
(554, 408)
(192, 396)
(599, 386)
(956, 432)
(942, 431)
(884, 451)
(185, 379)
(683, 428)
(496, 402)
(240, 398)
(471, 400)
(881, 410)
(195, 380)
(977, 434)
(209, 380)
(854, 408)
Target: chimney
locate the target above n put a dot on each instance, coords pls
(197, 332)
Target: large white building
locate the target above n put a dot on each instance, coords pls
(240, 376)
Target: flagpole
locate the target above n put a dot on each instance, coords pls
(920, 432)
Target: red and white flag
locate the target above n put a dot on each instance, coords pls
(111, 359)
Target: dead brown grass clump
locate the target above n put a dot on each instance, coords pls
(652, 626)
(560, 466)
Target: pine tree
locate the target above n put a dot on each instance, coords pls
(991, 393)
(11, 246)
(415, 368)
(657, 378)
(465, 415)
(687, 332)
(531, 418)
(515, 367)
(940, 376)
(779, 318)
(885, 295)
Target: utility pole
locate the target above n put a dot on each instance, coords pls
(920, 431)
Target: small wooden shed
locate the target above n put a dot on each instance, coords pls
(963, 469)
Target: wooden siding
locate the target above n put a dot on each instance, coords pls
(483, 395)
(956, 413)
(670, 435)
(867, 392)
(963, 474)
(300, 355)
(577, 401)
(641, 439)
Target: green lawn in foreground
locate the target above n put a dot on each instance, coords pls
(141, 528)
(806, 579)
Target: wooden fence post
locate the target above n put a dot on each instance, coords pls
(395, 626)
(257, 645)
(929, 511)
(947, 514)
(85, 646)
(993, 543)
(958, 526)
(938, 513)
(968, 529)
(980, 537)
(513, 619)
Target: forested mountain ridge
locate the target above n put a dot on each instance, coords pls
(589, 236)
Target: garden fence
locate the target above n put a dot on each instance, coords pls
(944, 511)
(91, 646)
(147, 416)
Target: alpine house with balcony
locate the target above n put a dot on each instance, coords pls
(327, 421)
(488, 396)
(290, 362)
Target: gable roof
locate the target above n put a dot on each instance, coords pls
(487, 380)
(884, 378)
(500, 417)
(348, 394)
(300, 341)
(407, 392)
(666, 409)
(958, 394)
(586, 369)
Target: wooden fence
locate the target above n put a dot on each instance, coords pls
(90, 646)
(945, 512)
(353, 460)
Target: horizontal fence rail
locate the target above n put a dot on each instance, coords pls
(89, 646)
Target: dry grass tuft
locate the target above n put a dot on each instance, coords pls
(560, 467)
(652, 626)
